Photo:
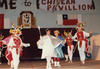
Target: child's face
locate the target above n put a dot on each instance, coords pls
(79, 29)
(69, 34)
(48, 32)
(19, 33)
(56, 33)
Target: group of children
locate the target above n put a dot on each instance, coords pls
(52, 45)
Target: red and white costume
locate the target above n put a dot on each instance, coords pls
(82, 43)
(70, 47)
(14, 47)
(14, 50)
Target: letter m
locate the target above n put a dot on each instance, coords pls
(2, 3)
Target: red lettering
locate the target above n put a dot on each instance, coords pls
(90, 7)
(79, 7)
(43, 2)
(72, 1)
(74, 8)
(65, 7)
(62, 2)
(48, 7)
(60, 7)
(69, 8)
(54, 8)
(54, 1)
(49, 1)
(68, 2)
(83, 7)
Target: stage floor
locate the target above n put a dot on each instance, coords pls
(90, 64)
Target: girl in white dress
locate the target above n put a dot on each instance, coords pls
(48, 43)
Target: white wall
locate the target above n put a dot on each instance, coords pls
(48, 19)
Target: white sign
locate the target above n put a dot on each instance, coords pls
(65, 5)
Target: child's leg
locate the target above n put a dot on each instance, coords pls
(48, 62)
(58, 62)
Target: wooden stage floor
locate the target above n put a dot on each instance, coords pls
(90, 64)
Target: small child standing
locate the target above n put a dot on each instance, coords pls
(70, 46)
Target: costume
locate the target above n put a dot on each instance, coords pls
(59, 49)
(48, 44)
(70, 47)
(14, 48)
(82, 42)
(59, 53)
(69, 43)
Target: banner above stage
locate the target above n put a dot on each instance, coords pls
(65, 5)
